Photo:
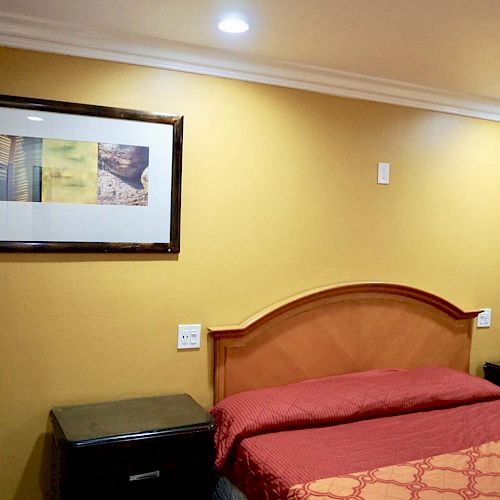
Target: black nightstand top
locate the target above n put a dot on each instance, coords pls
(496, 364)
(115, 420)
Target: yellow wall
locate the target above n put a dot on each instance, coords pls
(279, 196)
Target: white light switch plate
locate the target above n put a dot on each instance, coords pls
(188, 336)
(383, 173)
(484, 319)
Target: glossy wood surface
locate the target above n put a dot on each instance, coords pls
(341, 329)
(99, 448)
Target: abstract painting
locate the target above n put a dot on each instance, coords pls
(77, 178)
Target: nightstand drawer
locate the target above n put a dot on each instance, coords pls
(492, 371)
(138, 468)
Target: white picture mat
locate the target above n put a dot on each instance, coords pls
(67, 222)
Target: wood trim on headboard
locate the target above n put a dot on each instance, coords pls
(340, 329)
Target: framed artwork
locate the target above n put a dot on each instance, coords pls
(78, 178)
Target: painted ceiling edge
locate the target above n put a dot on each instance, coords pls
(24, 32)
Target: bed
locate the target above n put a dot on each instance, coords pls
(354, 391)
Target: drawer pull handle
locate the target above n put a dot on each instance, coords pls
(146, 475)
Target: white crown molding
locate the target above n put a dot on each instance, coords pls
(26, 32)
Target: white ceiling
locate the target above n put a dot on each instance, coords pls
(435, 54)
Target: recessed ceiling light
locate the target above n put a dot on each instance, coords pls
(35, 118)
(233, 25)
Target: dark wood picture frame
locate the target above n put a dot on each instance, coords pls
(174, 126)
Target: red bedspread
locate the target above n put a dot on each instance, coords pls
(270, 440)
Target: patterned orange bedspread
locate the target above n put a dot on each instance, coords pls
(471, 473)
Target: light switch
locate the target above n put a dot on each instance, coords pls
(383, 173)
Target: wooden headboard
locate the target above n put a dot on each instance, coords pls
(341, 329)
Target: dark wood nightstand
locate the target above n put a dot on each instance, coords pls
(492, 371)
(158, 447)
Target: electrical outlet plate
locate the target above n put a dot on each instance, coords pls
(188, 336)
(484, 319)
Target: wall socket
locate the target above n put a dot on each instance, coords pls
(484, 319)
(188, 336)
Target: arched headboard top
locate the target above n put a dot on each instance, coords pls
(341, 329)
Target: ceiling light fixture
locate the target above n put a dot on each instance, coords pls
(35, 118)
(233, 25)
